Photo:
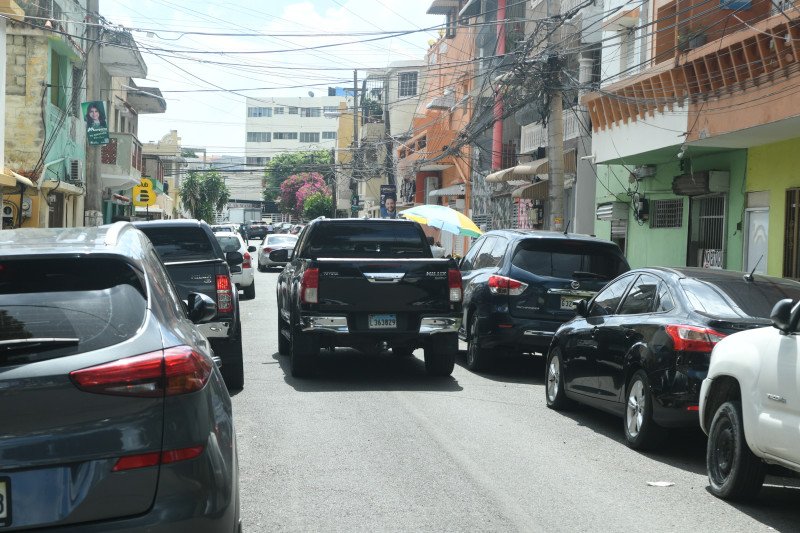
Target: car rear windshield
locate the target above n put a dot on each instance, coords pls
(74, 304)
(180, 244)
(367, 239)
(281, 239)
(228, 243)
(732, 298)
(569, 259)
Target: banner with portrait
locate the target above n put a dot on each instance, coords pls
(388, 201)
(94, 113)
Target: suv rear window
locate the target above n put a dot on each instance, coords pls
(180, 244)
(569, 259)
(732, 298)
(228, 243)
(370, 239)
(91, 302)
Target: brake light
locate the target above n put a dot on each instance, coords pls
(266, 249)
(693, 338)
(504, 285)
(246, 262)
(454, 284)
(309, 287)
(170, 372)
(144, 460)
(224, 294)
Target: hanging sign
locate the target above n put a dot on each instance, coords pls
(96, 122)
(143, 194)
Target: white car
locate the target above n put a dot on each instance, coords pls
(274, 242)
(241, 275)
(750, 405)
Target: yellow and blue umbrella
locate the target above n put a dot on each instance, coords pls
(444, 218)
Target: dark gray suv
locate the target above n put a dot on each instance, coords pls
(113, 414)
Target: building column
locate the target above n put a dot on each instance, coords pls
(585, 187)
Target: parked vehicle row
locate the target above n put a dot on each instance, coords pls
(271, 243)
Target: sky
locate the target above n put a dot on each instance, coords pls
(215, 119)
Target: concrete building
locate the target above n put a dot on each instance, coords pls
(165, 157)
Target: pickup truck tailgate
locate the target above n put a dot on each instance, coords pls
(376, 285)
(195, 276)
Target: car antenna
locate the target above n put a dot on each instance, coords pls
(749, 277)
(567, 228)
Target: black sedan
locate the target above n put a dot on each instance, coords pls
(641, 347)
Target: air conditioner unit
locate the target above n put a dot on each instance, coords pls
(76, 171)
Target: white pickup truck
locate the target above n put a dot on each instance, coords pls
(750, 405)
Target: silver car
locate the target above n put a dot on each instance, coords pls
(271, 243)
(114, 415)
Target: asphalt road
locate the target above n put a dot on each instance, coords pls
(373, 444)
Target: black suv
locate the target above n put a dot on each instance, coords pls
(257, 230)
(521, 285)
(195, 262)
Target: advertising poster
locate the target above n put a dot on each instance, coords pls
(388, 201)
(96, 122)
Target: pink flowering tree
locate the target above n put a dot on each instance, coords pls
(297, 188)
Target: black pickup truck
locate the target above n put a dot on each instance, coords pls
(195, 262)
(369, 285)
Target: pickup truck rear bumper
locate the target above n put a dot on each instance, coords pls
(429, 325)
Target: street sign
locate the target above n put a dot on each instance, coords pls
(143, 194)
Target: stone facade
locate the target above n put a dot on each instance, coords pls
(25, 77)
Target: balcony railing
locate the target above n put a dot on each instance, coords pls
(532, 136)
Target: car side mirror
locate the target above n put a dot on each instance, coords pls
(279, 256)
(234, 258)
(581, 308)
(251, 248)
(781, 316)
(201, 307)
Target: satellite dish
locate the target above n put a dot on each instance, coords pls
(311, 94)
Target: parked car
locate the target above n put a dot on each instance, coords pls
(196, 263)
(296, 229)
(242, 275)
(520, 286)
(750, 404)
(274, 242)
(257, 230)
(225, 227)
(114, 414)
(641, 348)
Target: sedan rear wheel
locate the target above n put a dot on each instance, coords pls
(478, 359)
(641, 432)
(734, 472)
(554, 384)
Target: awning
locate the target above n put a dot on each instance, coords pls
(434, 167)
(22, 180)
(120, 199)
(152, 209)
(471, 9)
(119, 182)
(62, 187)
(452, 190)
(612, 211)
(542, 166)
(500, 176)
(532, 191)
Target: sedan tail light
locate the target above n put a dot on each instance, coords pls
(504, 285)
(309, 287)
(266, 249)
(224, 293)
(454, 284)
(246, 263)
(693, 338)
(170, 372)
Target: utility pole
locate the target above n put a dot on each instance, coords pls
(555, 126)
(585, 183)
(93, 207)
(356, 142)
(388, 160)
(497, 132)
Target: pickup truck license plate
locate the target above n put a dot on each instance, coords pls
(5, 501)
(382, 321)
(568, 302)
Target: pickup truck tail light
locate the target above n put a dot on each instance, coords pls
(224, 293)
(454, 284)
(247, 258)
(309, 287)
(693, 338)
(504, 285)
(171, 372)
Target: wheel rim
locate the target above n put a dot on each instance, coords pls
(553, 375)
(472, 345)
(634, 414)
(723, 445)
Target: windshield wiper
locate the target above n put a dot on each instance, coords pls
(15, 346)
(582, 274)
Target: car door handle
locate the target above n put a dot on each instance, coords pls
(595, 332)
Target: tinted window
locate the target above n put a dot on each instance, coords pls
(607, 300)
(735, 298)
(228, 243)
(642, 296)
(180, 244)
(379, 239)
(469, 259)
(569, 259)
(484, 257)
(665, 302)
(95, 302)
(498, 251)
(281, 239)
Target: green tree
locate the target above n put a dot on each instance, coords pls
(281, 166)
(317, 205)
(203, 193)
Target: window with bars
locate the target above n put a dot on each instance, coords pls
(259, 112)
(309, 137)
(259, 136)
(408, 84)
(285, 135)
(328, 135)
(293, 110)
(310, 111)
(258, 161)
(666, 213)
(277, 110)
(330, 109)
